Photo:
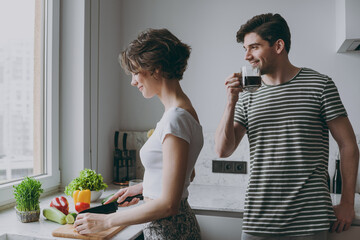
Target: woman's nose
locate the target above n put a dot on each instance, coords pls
(133, 81)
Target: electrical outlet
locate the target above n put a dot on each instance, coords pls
(217, 166)
(240, 167)
(221, 166)
(228, 167)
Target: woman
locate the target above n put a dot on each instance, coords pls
(157, 60)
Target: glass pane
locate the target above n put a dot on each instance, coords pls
(20, 89)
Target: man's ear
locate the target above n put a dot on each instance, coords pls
(279, 46)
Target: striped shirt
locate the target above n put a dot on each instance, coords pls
(289, 147)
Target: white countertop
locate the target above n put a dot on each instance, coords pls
(10, 225)
(210, 200)
(204, 199)
(229, 201)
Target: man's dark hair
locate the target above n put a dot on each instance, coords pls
(156, 49)
(270, 27)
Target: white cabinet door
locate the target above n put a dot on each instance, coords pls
(215, 228)
(229, 228)
(352, 234)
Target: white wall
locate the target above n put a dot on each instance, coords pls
(209, 27)
(72, 94)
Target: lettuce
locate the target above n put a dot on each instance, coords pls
(88, 179)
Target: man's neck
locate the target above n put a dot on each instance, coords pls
(283, 73)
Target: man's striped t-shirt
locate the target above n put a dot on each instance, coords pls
(287, 192)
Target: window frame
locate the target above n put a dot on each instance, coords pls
(50, 88)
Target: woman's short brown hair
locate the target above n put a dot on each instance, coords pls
(156, 49)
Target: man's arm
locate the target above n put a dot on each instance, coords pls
(343, 134)
(229, 133)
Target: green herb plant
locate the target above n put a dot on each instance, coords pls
(88, 179)
(27, 194)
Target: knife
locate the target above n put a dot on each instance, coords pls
(110, 207)
(116, 141)
(124, 141)
(126, 157)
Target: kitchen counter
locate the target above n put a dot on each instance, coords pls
(229, 201)
(42, 229)
(204, 200)
(217, 200)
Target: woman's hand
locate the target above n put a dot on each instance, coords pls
(233, 87)
(90, 223)
(123, 193)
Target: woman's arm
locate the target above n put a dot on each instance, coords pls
(175, 153)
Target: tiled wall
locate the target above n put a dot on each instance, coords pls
(135, 140)
(203, 168)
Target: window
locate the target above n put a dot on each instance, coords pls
(29, 51)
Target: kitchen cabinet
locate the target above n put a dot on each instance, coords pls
(219, 227)
(352, 234)
(220, 217)
(229, 228)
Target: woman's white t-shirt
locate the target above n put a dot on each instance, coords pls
(180, 123)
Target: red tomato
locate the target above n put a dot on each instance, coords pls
(81, 206)
(61, 203)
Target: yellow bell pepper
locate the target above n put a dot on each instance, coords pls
(150, 132)
(82, 196)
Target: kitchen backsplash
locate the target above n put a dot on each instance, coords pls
(135, 140)
(203, 168)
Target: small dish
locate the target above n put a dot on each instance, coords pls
(95, 195)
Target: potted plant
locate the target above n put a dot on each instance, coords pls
(27, 195)
(90, 180)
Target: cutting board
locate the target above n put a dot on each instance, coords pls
(68, 231)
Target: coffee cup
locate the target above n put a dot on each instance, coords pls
(251, 78)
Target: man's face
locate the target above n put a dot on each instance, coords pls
(259, 53)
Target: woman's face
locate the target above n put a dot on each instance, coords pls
(147, 84)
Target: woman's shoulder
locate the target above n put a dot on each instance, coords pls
(181, 123)
(182, 113)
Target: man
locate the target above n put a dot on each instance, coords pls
(287, 121)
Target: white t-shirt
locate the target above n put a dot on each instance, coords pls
(180, 123)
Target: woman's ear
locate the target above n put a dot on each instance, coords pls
(279, 46)
(157, 73)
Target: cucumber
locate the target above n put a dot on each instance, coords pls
(105, 199)
(55, 215)
(70, 218)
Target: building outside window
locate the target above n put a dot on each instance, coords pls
(28, 92)
(19, 50)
